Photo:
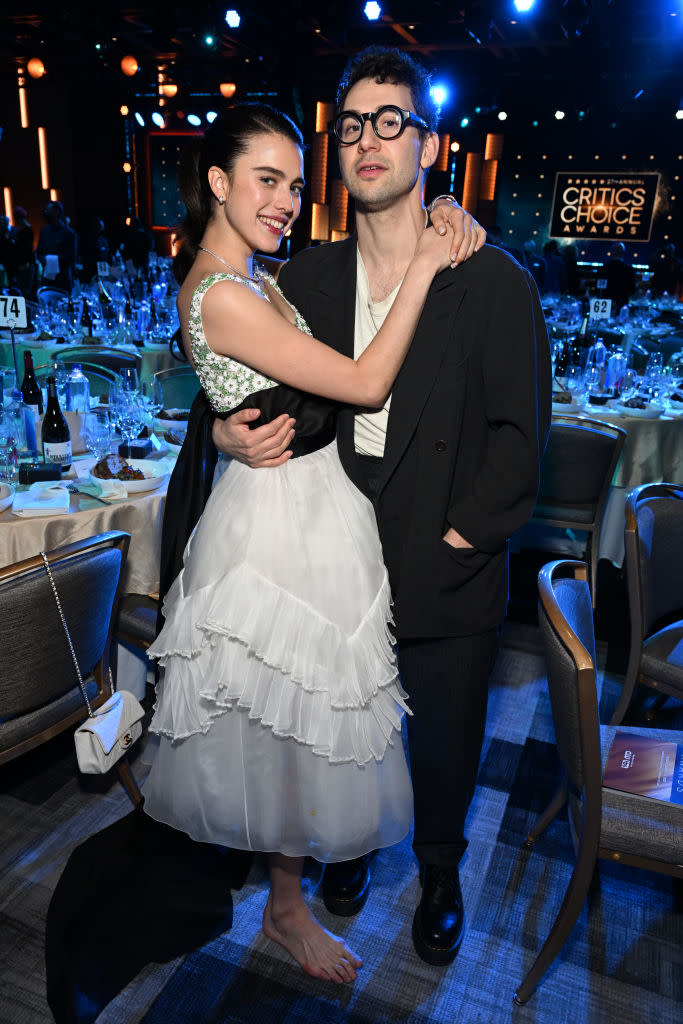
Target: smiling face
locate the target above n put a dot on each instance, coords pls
(377, 172)
(263, 192)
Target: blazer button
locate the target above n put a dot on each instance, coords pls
(440, 446)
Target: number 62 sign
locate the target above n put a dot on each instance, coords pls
(12, 311)
(600, 309)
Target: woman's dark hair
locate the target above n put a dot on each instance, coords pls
(387, 64)
(221, 144)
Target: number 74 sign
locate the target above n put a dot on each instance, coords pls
(12, 311)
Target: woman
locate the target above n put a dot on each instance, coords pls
(279, 712)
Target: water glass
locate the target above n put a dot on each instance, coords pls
(98, 432)
(131, 415)
(152, 395)
(8, 447)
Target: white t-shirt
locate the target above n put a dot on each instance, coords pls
(370, 428)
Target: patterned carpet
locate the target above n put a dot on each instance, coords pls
(622, 962)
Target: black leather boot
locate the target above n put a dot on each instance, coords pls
(346, 886)
(439, 918)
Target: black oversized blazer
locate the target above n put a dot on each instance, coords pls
(469, 417)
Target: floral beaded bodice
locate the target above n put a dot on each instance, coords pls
(226, 381)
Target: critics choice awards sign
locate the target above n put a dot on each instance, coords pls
(605, 206)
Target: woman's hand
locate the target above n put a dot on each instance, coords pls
(468, 235)
(433, 250)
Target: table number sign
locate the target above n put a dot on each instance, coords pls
(103, 269)
(600, 309)
(12, 311)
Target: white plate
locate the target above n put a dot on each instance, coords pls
(651, 412)
(567, 407)
(6, 496)
(180, 426)
(156, 474)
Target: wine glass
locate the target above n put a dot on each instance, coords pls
(130, 381)
(98, 432)
(152, 394)
(130, 415)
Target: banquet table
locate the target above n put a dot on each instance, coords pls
(154, 356)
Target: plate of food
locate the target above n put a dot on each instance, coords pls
(173, 439)
(564, 401)
(172, 419)
(137, 474)
(6, 496)
(640, 408)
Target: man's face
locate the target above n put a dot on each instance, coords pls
(377, 172)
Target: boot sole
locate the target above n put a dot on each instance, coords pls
(348, 907)
(435, 956)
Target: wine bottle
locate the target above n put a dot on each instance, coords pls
(86, 319)
(55, 434)
(31, 394)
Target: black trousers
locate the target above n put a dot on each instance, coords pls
(446, 679)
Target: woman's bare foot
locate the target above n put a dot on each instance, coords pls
(320, 953)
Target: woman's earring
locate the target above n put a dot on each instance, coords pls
(221, 200)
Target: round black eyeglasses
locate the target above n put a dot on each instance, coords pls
(387, 123)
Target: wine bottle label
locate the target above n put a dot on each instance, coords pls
(57, 452)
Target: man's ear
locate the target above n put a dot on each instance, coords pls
(430, 150)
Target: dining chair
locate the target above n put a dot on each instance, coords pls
(653, 541)
(115, 359)
(179, 385)
(638, 831)
(136, 620)
(576, 471)
(39, 692)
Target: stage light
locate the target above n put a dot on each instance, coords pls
(232, 18)
(534, 124)
(211, 116)
(194, 120)
(455, 147)
(559, 115)
(208, 40)
(140, 119)
(372, 10)
(129, 66)
(439, 93)
(464, 122)
(158, 119)
(227, 89)
(679, 115)
(524, 6)
(127, 167)
(123, 110)
(502, 116)
(169, 89)
(35, 67)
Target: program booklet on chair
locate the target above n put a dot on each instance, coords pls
(645, 766)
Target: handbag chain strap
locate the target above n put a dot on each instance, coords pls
(48, 570)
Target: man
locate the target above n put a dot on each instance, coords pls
(621, 277)
(451, 462)
(57, 248)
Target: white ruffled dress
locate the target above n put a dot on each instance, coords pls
(278, 716)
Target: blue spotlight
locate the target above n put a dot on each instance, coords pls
(372, 10)
(208, 40)
(194, 120)
(211, 116)
(524, 6)
(465, 121)
(439, 94)
(232, 18)
(140, 119)
(158, 119)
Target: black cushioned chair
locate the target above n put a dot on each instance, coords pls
(576, 472)
(635, 830)
(654, 566)
(39, 692)
(98, 356)
(136, 620)
(179, 385)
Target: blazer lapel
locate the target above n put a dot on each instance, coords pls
(416, 377)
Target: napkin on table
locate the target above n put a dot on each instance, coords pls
(113, 490)
(43, 498)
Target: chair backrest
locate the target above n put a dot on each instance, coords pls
(35, 662)
(579, 462)
(653, 542)
(566, 620)
(180, 385)
(110, 358)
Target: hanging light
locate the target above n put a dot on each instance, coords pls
(169, 89)
(227, 89)
(129, 66)
(35, 67)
